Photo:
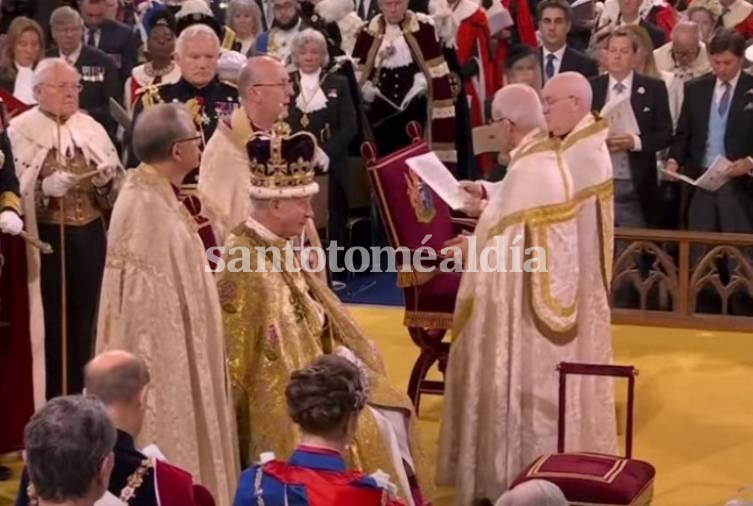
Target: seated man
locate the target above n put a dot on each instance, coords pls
(68, 453)
(277, 318)
(324, 400)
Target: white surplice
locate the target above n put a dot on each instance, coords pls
(511, 329)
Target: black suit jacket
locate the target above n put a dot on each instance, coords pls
(650, 103)
(573, 61)
(100, 82)
(120, 43)
(335, 125)
(689, 146)
(414, 5)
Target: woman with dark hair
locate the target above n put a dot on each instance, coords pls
(522, 67)
(20, 54)
(324, 399)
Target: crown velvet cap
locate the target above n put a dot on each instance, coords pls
(282, 165)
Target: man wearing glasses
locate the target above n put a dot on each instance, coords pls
(159, 299)
(264, 89)
(67, 166)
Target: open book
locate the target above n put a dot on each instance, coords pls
(714, 178)
(433, 172)
(620, 117)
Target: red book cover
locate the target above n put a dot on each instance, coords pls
(13, 106)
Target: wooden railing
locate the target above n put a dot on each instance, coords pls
(670, 275)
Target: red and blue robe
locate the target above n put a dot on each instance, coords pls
(312, 477)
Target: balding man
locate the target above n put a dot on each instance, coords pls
(265, 90)
(685, 55)
(120, 380)
(567, 107)
(208, 100)
(100, 79)
(159, 299)
(66, 165)
(504, 316)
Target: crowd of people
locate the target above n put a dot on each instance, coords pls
(139, 136)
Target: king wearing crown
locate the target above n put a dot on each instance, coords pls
(278, 316)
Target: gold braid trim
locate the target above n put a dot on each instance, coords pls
(462, 315)
(597, 126)
(428, 319)
(9, 200)
(135, 480)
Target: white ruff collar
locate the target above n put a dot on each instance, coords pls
(394, 51)
(310, 96)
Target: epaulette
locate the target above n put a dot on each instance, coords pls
(228, 38)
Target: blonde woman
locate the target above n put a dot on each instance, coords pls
(20, 54)
(244, 18)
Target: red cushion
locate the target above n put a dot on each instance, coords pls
(595, 478)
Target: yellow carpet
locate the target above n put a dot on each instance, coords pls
(694, 405)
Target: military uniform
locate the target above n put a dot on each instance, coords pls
(207, 106)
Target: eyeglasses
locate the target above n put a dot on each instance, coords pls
(196, 137)
(550, 102)
(268, 85)
(64, 86)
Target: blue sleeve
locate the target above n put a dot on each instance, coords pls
(261, 43)
(244, 495)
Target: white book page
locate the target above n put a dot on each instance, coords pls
(619, 114)
(714, 178)
(433, 172)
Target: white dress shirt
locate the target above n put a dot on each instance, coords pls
(719, 89)
(73, 57)
(556, 62)
(23, 88)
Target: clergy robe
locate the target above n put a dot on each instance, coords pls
(592, 424)
(224, 174)
(739, 18)
(159, 302)
(511, 329)
(36, 139)
(278, 322)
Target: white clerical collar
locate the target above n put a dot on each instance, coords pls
(73, 57)
(558, 54)
(732, 82)
(627, 83)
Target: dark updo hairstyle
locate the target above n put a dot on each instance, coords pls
(322, 396)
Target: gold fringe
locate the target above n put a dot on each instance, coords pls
(9, 200)
(406, 278)
(428, 320)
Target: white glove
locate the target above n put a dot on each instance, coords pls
(11, 223)
(58, 183)
(369, 92)
(383, 480)
(419, 88)
(105, 175)
(321, 159)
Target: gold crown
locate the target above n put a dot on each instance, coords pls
(282, 164)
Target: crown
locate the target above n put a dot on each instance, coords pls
(282, 164)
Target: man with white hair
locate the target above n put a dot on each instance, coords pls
(510, 326)
(159, 299)
(100, 78)
(533, 493)
(67, 168)
(208, 99)
(685, 55)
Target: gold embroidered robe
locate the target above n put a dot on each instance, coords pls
(159, 302)
(274, 326)
(511, 329)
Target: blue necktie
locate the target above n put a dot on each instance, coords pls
(724, 102)
(549, 68)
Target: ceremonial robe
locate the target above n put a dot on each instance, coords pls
(159, 302)
(311, 477)
(522, 32)
(278, 322)
(16, 384)
(592, 421)
(740, 18)
(390, 58)
(511, 329)
(144, 76)
(37, 142)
